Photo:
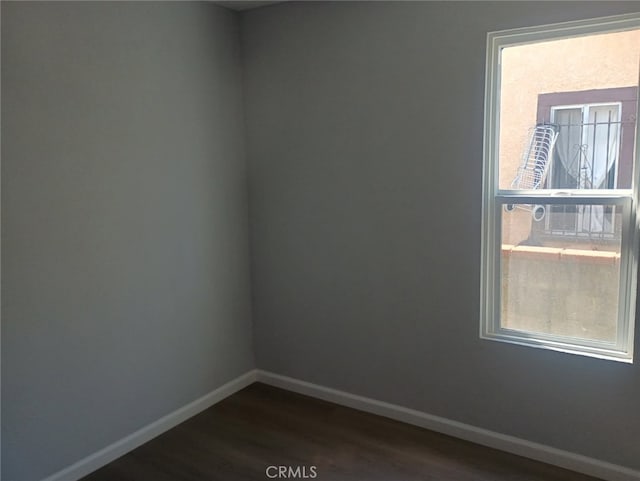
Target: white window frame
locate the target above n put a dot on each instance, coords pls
(495, 198)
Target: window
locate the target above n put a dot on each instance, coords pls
(594, 150)
(560, 193)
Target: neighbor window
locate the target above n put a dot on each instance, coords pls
(560, 187)
(593, 150)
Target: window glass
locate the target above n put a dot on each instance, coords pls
(570, 290)
(587, 67)
(560, 235)
(587, 149)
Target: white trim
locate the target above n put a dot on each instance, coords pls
(539, 452)
(569, 29)
(123, 446)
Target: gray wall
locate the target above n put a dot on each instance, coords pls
(124, 218)
(365, 155)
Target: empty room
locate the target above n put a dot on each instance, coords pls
(332, 240)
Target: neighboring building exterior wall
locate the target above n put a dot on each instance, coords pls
(586, 63)
(567, 292)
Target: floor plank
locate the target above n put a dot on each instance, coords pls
(262, 426)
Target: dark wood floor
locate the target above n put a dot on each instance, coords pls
(260, 426)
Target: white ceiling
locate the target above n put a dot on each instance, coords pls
(240, 5)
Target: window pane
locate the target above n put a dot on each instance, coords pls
(563, 282)
(587, 148)
(601, 147)
(587, 87)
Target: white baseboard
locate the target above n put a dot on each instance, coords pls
(141, 436)
(503, 442)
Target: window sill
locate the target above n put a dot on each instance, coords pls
(521, 339)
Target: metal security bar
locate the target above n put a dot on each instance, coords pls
(586, 157)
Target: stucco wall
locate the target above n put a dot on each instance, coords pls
(566, 292)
